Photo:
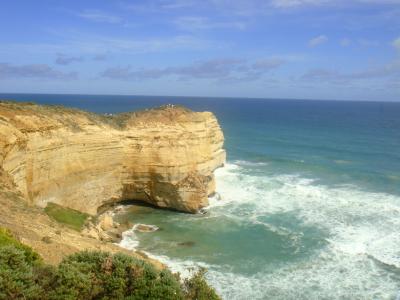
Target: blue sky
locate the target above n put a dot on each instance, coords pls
(317, 49)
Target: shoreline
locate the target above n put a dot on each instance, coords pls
(123, 239)
(110, 231)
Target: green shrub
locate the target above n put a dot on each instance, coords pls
(196, 287)
(67, 216)
(7, 239)
(90, 275)
(117, 276)
(16, 275)
(72, 281)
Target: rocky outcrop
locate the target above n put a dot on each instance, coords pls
(51, 239)
(163, 156)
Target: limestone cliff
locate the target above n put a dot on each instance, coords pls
(163, 156)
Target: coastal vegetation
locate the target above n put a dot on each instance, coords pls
(90, 275)
(67, 216)
(8, 240)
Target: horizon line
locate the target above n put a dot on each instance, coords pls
(217, 97)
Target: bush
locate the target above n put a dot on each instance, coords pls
(100, 275)
(7, 239)
(16, 275)
(90, 275)
(196, 287)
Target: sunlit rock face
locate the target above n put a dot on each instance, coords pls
(164, 156)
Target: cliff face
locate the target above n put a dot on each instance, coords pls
(163, 156)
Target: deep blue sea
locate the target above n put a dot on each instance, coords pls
(310, 198)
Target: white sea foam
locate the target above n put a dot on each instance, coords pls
(121, 209)
(184, 267)
(250, 163)
(326, 276)
(361, 228)
(129, 240)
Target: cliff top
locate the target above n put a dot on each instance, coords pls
(34, 116)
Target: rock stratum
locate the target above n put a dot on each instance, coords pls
(164, 156)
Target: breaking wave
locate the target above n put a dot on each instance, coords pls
(359, 257)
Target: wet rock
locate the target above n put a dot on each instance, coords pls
(203, 211)
(187, 244)
(145, 228)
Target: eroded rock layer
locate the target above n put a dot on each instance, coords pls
(163, 156)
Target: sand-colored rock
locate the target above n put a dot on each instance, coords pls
(106, 221)
(50, 239)
(81, 160)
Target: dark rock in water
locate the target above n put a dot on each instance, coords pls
(187, 244)
(203, 211)
(145, 228)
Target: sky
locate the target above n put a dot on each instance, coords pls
(304, 49)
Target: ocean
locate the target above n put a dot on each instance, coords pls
(309, 204)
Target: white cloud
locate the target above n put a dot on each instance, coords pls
(345, 42)
(100, 17)
(396, 43)
(63, 59)
(296, 3)
(388, 70)
(368, 43)
(379, 1)
(244, 7)
(8, 71)
(157, 6)
(83, 44)
(201, 23)
(318, 40)
(268, 63)
(176, 4)
(361, 42)
(300, 3)
(221, 70)
(133, 46)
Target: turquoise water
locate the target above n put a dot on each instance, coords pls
(310, 199)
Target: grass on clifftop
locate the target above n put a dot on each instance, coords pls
(67, 216)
